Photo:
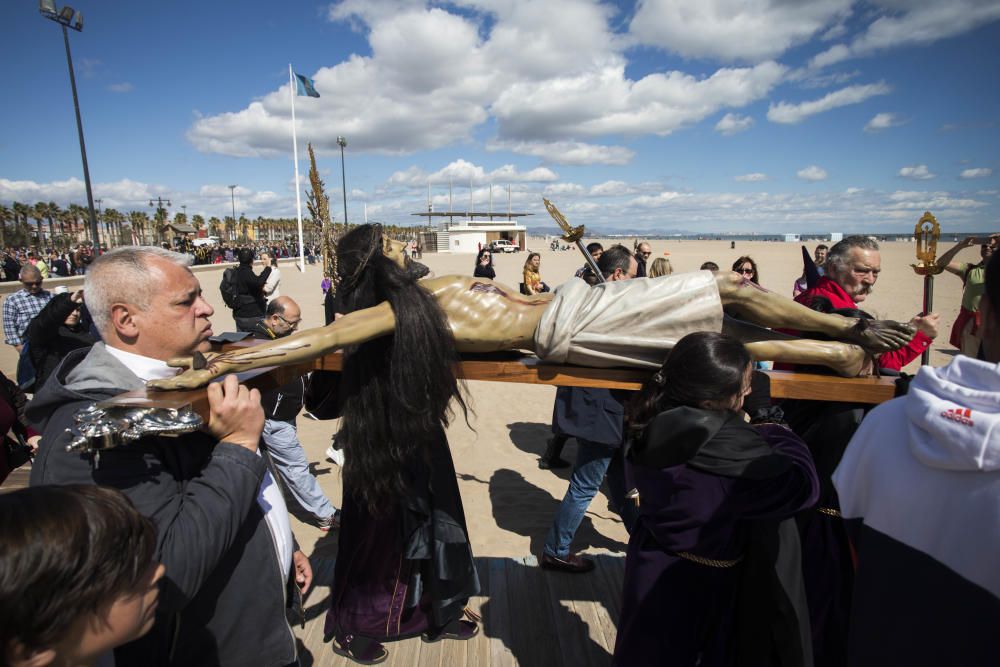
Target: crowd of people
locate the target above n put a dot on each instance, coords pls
(761, 532)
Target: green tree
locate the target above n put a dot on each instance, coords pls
(5, 215)
(38, 212)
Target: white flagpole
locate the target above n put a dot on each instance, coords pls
(366, 212)
(295, 156)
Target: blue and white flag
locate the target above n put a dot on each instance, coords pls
(304, 86)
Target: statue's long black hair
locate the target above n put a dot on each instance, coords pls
(395, 389)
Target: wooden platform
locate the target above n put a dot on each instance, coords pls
(526, 369)
(531, 617)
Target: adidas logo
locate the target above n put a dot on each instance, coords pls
(960, 415)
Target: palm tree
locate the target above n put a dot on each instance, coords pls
(230, 225)
(112, 230)
(214, 225)
(52, 211)
(80, 214)
(38, 212)
(140, 221)
(198, 222)
(21, 229)
(5, 215)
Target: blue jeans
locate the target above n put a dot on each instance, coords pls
(282, 442)
(594, 461)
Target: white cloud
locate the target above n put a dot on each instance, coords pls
(567, 152)
(732, 123)
(732, 30)
(434, 76)
(755, 177)
(124, 87)
(918, 172)
(612, 189)
(783, 112)
(978, 172)
(462, 172)
(812, 173)
(883, 121)
(601, 102)
(903, 22)
(557, 189)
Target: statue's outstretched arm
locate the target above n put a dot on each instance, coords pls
(352, 329)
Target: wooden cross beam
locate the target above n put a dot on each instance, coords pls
(527, 369)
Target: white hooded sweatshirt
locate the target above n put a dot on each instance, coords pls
(924, 470)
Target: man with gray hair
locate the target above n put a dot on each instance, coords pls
(21, 307)
(852, 268)
(223, 531)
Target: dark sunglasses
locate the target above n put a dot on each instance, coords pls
(31, 283)
(746, 272)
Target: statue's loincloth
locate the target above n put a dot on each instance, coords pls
(629, 322)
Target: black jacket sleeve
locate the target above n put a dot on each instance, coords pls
(45, 326)
(197, 495)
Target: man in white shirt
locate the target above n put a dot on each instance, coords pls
(223, 528)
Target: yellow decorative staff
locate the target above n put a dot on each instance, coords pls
(573, 235)
(927, 232)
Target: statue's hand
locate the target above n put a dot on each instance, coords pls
(200, 370)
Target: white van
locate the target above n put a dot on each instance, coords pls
(208, 240)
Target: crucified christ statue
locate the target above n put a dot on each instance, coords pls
(614, 324)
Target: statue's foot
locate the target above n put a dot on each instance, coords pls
(852, 361)
(879, 335)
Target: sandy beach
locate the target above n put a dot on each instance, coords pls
(509, 502)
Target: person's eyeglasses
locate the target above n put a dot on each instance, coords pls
(747, 271)
(293, 325)
(646, 254)
(31, 283)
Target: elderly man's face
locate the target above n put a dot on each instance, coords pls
(859, 276)
(176, 322)
(287, 322)
(32, 281)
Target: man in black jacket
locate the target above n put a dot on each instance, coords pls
(250, 300)
(222, 526)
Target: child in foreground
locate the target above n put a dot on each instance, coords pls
(77, 575)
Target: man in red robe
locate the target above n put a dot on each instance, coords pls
(852, 268)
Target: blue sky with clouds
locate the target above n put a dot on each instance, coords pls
(807, 116)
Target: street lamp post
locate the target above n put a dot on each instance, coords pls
(159, 202)
(342, 142)
(69, 17)
(232, 196)
(99, 216)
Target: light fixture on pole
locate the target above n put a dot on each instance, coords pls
(67, 17)
(342, 142)
(161, 211)
(232, 196)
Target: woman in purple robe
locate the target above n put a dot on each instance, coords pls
(713, 571)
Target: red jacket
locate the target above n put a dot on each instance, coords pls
(831, 291)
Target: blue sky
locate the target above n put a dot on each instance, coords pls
(807, 116)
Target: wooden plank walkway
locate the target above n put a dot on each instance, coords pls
(531, 617)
